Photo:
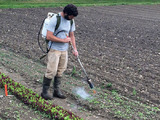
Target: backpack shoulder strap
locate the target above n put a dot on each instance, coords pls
(71, 22)
(58, 21)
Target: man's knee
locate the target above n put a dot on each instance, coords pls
(50, 74)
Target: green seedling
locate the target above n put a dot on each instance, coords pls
(109, 85)
(134, 92)
(73, 71)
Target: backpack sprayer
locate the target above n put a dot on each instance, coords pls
(42, 40)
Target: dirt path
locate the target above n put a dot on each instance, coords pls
(119, 46)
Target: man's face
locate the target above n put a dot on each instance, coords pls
(68, 17)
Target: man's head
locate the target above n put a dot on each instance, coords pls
(70, 11)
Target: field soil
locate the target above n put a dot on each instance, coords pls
(119, 47)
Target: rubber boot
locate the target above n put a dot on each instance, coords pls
(57, 91)
(46, 85)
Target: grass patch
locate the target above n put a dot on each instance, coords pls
(61, 3)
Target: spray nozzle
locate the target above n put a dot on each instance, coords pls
(90, 83)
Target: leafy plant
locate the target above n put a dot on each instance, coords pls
(134, 92)
(74, 72)
(34, 100)
(109, 85)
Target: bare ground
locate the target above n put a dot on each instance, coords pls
(118, 45)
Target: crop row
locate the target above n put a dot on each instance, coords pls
(34, 100)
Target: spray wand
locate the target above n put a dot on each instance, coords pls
(87, 78)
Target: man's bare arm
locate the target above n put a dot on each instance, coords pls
(53, 38)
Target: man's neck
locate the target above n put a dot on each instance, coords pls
(62, 14)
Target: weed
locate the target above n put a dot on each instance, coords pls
(81, 109)
(134, 92)
(141, 115)
(109, 85)
(74, 72)
(114, 92)
(102, 106)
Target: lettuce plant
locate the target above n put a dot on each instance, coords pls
(33, 99)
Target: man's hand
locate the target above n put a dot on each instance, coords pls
(67, 40)
(75, 53)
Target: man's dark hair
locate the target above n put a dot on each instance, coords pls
(71, 10)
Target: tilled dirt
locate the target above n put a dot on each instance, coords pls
(117, 44)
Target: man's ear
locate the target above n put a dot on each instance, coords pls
(65, 13)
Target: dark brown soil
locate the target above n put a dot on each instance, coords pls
(117, 44)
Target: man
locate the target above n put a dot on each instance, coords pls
(58, 54)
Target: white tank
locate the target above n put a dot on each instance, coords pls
(45, 24)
